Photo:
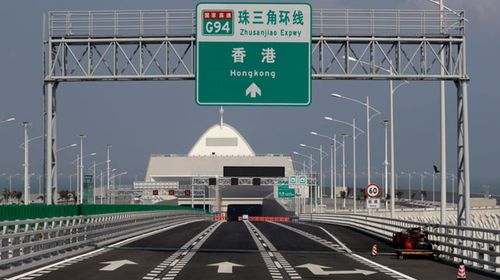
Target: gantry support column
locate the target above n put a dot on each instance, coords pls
(463, 206)
(50, 140)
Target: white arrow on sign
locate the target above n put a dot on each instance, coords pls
(225, 267)
(317, 269)
(114, 265)
(253, 90)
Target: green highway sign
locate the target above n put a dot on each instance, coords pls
(302, 180)
(286, 193)
(253, 54)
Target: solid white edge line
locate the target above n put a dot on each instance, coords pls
(99, 250)
(336, 240)
(384, 267)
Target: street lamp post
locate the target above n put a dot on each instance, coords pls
(311, 160)
(409, 184)
(26, 165)
(369, 117)
(392, 90)
(81, 167)
(433, 186)
(354, 136)
(108, 199)
(321, 156)
(116, 175)
(386, 162)
(333, 166)
(421, 184)
(55, 181)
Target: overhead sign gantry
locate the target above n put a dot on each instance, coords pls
(346, 45)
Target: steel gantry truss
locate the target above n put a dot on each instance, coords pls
(347, 45)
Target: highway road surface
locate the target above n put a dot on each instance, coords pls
(245, 250)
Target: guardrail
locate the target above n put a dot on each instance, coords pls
(37, 241)
(476, 247)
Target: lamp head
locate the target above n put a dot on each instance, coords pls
(11, 119)
(73, 145)
(328, 118)
(93, 154)
(313, 133)
(336, 95)
(295, 153)
(302, 145)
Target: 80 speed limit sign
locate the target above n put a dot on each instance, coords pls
(373, 191)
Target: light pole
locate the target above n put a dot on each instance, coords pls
(386, 162)
(26, 164)
(392, 91)
(94, 179)
(79, 171)
(409, 184)
(117, 175)
(108, 200)
(421, 184)
(369, 117)
(433, 186)
(321, 156)
(354, 136)
(81, 167)
(10, 180)
(333, 167)
(55, 182)
(311, 160)
(344, 135)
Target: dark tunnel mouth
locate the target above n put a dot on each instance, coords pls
(236, 210)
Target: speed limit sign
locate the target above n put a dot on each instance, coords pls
(373, 191)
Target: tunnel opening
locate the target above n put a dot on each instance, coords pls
(234, 211)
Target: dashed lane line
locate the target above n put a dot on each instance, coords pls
(348, 253)
(173, 265)
(58, 265)
(276, 264)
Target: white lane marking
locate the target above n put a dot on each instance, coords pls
(383, 267)
(277, 264)
(114, 265)
(63, 262)
(336, 240)
(309, 236)
(176, 262)
(274, 262)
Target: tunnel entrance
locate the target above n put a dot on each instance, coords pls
(234, 211)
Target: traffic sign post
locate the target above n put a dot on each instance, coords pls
(253, 54)
(373, 192)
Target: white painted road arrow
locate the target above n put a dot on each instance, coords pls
(253, 90)
(225, 267)
(317, 269)
(114, 265)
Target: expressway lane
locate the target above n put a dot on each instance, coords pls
(146, 253)
(245, 250)
(232, 248)
(313, 260)
(418, 268)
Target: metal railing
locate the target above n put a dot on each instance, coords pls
(476, 247)
(324, 22)
(39, 240)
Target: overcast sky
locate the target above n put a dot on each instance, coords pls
(143, 118)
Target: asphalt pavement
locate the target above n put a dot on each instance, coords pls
(245, 250)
